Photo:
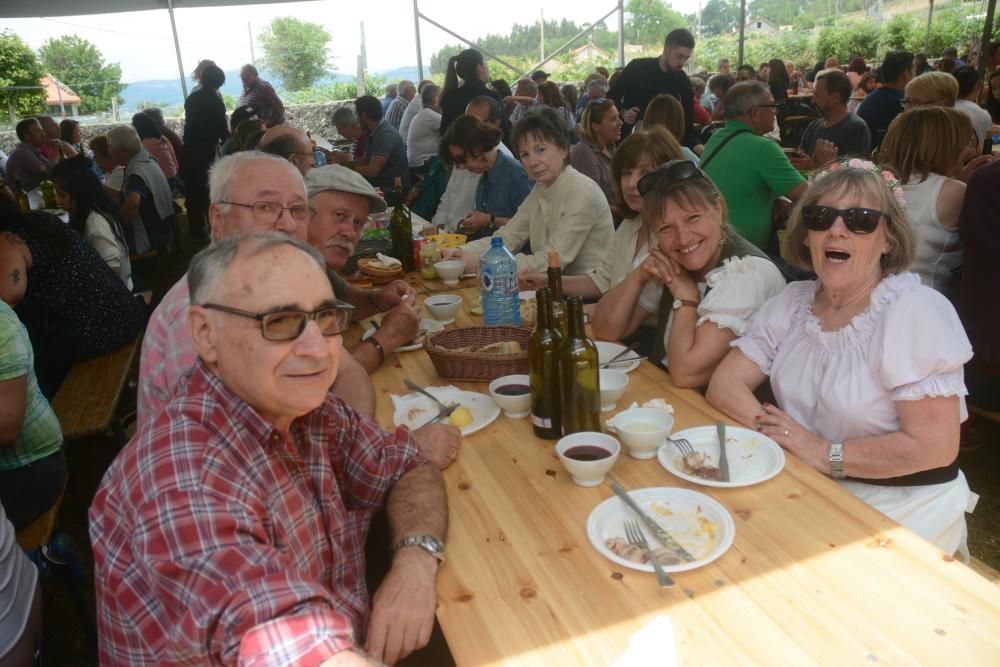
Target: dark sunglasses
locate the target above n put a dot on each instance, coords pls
(857, 220)
(285, 325)
(675, 171)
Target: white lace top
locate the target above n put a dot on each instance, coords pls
(909, 344)
(739, 289)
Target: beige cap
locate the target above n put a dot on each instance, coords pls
(341, 179)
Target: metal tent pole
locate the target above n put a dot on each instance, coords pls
(416, 31)
(621, 33)
(570, 42)
(177, 47)
(470, 43)
(927, 35)
(743, 27)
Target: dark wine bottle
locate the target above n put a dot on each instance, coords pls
(543, 369)
(401, 228)
(578, 367)
(555, 288)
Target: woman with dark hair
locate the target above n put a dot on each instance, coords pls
(866, 84)
(470, 67)
(205, 128)
(473, 144)
(73, 306)
(156, 145)
(92, 214)
(566, 212)
(69, 133)
(602, 128)
(701, 280)
(856, 69)
(778, 82)
(570, 95)
(993, 95)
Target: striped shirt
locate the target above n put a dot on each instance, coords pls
(221, 540)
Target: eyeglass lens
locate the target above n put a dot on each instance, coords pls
(857, 220)
(289, 325)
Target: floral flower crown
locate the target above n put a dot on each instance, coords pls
(857, 163)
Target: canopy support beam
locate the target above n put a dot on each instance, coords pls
(177, 47)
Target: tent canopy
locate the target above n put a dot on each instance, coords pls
(19, 10)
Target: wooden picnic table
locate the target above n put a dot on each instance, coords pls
(814, 574)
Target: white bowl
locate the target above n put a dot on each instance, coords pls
(443, 307)
(613, 384)
(642, 441)
(588, 473)
(514, 407)
(450, 270)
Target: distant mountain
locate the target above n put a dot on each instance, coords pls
(167, 92)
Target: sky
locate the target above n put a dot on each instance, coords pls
(142, 43)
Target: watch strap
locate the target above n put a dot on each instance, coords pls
(680, 303)
(428, 543)
(836, 457)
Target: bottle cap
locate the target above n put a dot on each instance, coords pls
(496, 241)
(553, 259)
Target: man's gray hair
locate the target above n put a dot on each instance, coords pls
(126, 138)
(599, 85)
(495, 108)
(208, 267)
(428, 93)
(345, 115)
(225, 170)
(744, 96)
(249, 68)
(403, 85)
(156, 113)
(528, 85)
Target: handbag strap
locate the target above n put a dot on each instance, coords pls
(705, 160)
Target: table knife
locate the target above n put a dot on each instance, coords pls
(723, 459)
(662, 536)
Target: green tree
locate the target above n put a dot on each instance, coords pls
(649, 21)
(296, 51)
(79, 64)
(719, 17)
(19, 68)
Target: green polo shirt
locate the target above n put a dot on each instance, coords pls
(751, 172)
(40, 434)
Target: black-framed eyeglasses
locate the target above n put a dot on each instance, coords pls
(857, 220)
(766, 106)
(286, 325)
(674, 171)
(268, 212)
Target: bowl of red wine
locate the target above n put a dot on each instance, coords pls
(513, 394)
(588, 456)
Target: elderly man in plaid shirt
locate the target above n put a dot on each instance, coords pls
(230, 530)
(259, 95)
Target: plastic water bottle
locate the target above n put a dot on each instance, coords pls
(498, 286)
(319, 158)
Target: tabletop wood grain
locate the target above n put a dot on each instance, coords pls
(814, 575)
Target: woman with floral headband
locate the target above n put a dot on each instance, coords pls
(865, 362)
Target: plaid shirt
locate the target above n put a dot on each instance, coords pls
(262, 98)
(221, 540)
(167, 353)
(394, 116)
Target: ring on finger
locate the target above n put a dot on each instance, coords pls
(787, 432)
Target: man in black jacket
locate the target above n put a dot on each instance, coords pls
(645, 78)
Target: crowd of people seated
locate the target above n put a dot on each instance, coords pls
(233, 524)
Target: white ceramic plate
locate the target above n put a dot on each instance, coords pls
(426, 323)
(700, 524)
(606, 352)
(414, 410)
(753, 457)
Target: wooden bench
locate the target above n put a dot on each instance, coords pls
(39, 531)
(86, 402)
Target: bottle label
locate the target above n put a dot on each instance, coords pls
(541, 422)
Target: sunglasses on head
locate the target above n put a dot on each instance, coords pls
(675, 171)
(857, 220)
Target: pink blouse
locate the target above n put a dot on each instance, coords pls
(163, 153)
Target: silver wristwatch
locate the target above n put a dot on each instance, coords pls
(428, 543)
(837, 460)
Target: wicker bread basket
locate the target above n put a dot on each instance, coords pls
(452, 365)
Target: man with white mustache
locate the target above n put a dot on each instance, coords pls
(342, 200)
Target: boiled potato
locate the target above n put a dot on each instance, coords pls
(461, 417)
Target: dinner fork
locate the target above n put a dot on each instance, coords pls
(443, 410)
(635, 537)
(685, 447)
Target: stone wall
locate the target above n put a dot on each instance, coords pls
(314, 118)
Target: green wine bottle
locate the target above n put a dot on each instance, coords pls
(555, 287)
(578, 367)
(543, 369)
(401, 228)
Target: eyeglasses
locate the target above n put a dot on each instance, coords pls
(907, 102)
(857, 220)
(675, 171)
(765, 106)
(286, 325)
(268, 212)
